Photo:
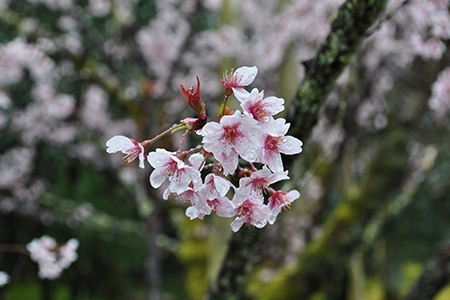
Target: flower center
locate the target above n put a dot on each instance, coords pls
(258, 112)
(272, 143)
(245, 210)
(171, 168)
(231, 134)
(213, 204)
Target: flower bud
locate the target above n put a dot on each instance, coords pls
(195, 99)
(193, 124)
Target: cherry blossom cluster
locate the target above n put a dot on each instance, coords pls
(243, 147)
(51, 258)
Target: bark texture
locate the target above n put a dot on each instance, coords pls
(434, 277)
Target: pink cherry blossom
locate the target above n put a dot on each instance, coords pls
(130, 147)
(215, 186)
(222, 206)
(191, 196)
(279, 200)
(235, 82)
(211, 197)
(169, 167)
(234, 136)
(200, 210)
(275, 142)
(440, 97)
(250, 210)
(261, 180)
(260, 108)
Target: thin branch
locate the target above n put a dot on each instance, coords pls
(14, 248)
(385, 18)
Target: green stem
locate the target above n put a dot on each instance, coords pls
(223, 107)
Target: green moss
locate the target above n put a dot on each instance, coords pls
(347, 32)
(193, 252)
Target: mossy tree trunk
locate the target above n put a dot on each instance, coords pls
(435, 275)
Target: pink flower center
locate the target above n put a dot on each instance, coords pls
(258, 183)
(231, 134)
(245, 210)
(171, 168)
(230, 80)
(133, 152)
(213, 204)
(280, 200)
(272, 143)
(258, 112)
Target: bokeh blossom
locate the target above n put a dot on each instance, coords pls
(51, 258)
(4, 278)
(440, 97)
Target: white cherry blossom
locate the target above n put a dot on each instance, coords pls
(279, 200)
(275, 142)
(167, 166)
(250, 210)
(234, 136)
(234, 82)
(130, 147)
(260, 108)
(261, 180)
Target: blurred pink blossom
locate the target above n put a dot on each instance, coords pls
(439, 102)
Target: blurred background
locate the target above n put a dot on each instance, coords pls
(74, 73)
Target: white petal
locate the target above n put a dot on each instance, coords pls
(192, 212)
(246, 74)
(196, 160)
(254, 96)
(141, 157)
(237, 224)
(241, 94)
(156, 179)
(225, 208)
(291, 145)
(222, 185)
(229, 163)
(118, 143)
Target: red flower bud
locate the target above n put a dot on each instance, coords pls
(195, 99)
